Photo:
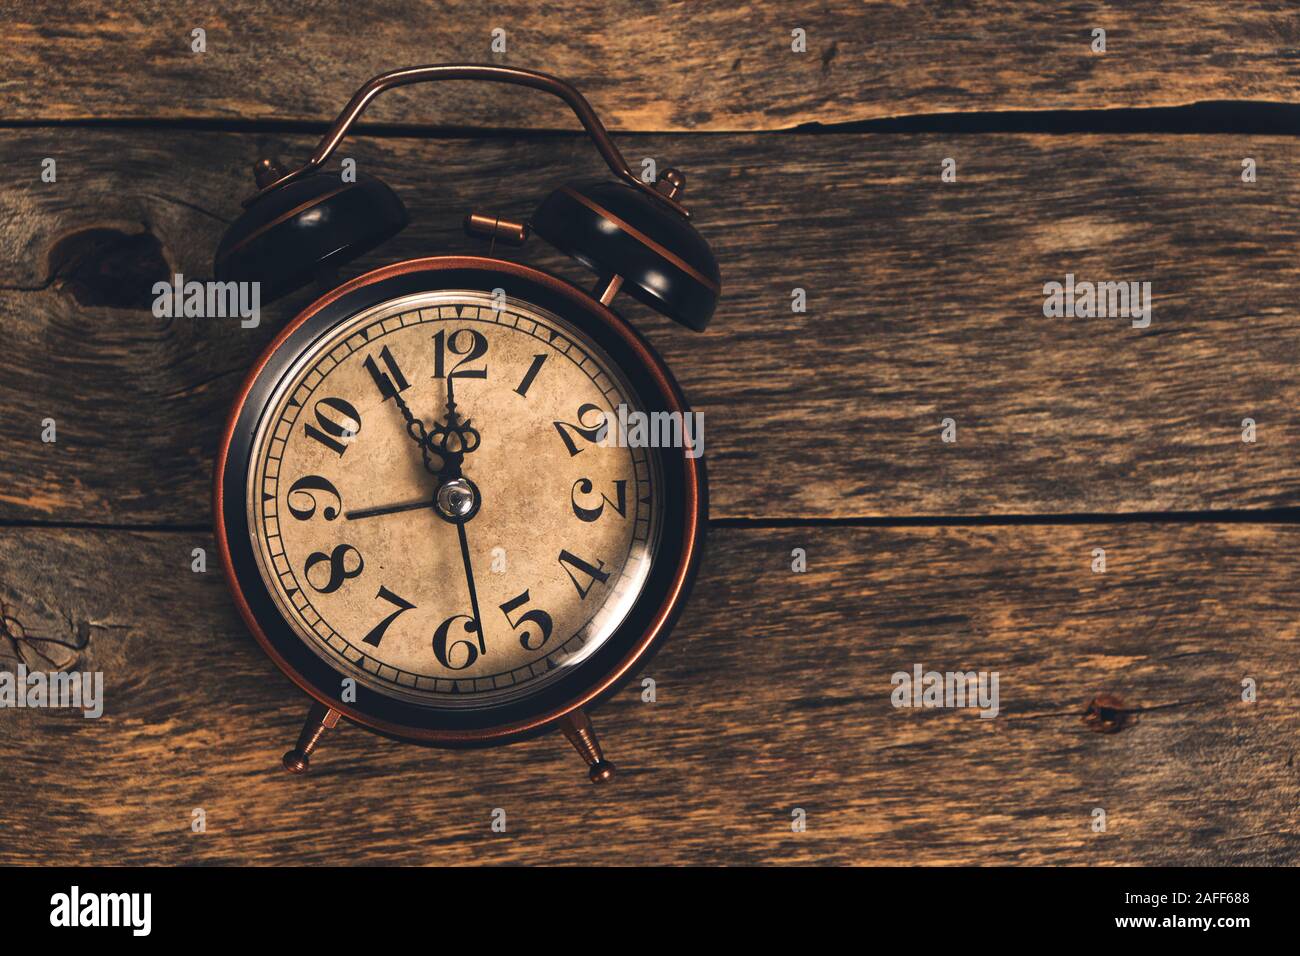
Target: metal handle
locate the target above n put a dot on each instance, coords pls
(469, 71)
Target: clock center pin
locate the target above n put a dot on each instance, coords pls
(458, 499)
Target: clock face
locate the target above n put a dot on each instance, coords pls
(431, 505)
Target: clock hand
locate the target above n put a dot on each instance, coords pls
(415, 428)
(469, 579)
(388, 509)
(469, 437)
(458, 502)
(452, 439)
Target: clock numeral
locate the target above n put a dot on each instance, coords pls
(338, 419)
(538, 617)
(531, 374)
(443, 653)
(390, 382)
(377, 632)
(305, 506)
(572, 563)
(590, 432)
(470, 343)
(584, 486)
(338, 562)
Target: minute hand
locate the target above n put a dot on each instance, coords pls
(469, 579)
(453, 439)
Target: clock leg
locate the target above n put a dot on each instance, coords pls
(577, 728)
(319, 719)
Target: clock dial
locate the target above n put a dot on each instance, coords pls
(432, 507)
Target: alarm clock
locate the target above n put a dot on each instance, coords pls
(421, 514)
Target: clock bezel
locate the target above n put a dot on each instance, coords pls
(684, 499)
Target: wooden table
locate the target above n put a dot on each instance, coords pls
(924, 302)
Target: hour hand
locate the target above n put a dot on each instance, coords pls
(415, 428)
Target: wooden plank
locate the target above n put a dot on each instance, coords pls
(925, 302)
(703, 66)
(773, 694)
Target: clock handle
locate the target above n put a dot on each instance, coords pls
(576, 726)
(470, 71)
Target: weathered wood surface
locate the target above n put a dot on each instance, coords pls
(924, 302)
(770, 697)
(661, 66)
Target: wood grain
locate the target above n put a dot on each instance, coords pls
(662, 66)
(769, 697)
(924, 303)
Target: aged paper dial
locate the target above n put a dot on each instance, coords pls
(433, 507)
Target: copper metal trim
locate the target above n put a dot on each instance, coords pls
(495, 228)
(577, 729)
(691, 531)
(608, 289)
(284, 217)
(641, 237)
(471, 71)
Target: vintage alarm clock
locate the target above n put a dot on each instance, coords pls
(424, 513)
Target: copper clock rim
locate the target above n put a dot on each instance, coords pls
(659, 621)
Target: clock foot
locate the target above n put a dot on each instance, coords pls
(577, 728)
(319, 719)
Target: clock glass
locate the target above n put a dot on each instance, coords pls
(434, 506)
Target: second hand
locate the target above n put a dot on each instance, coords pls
(387, 509)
